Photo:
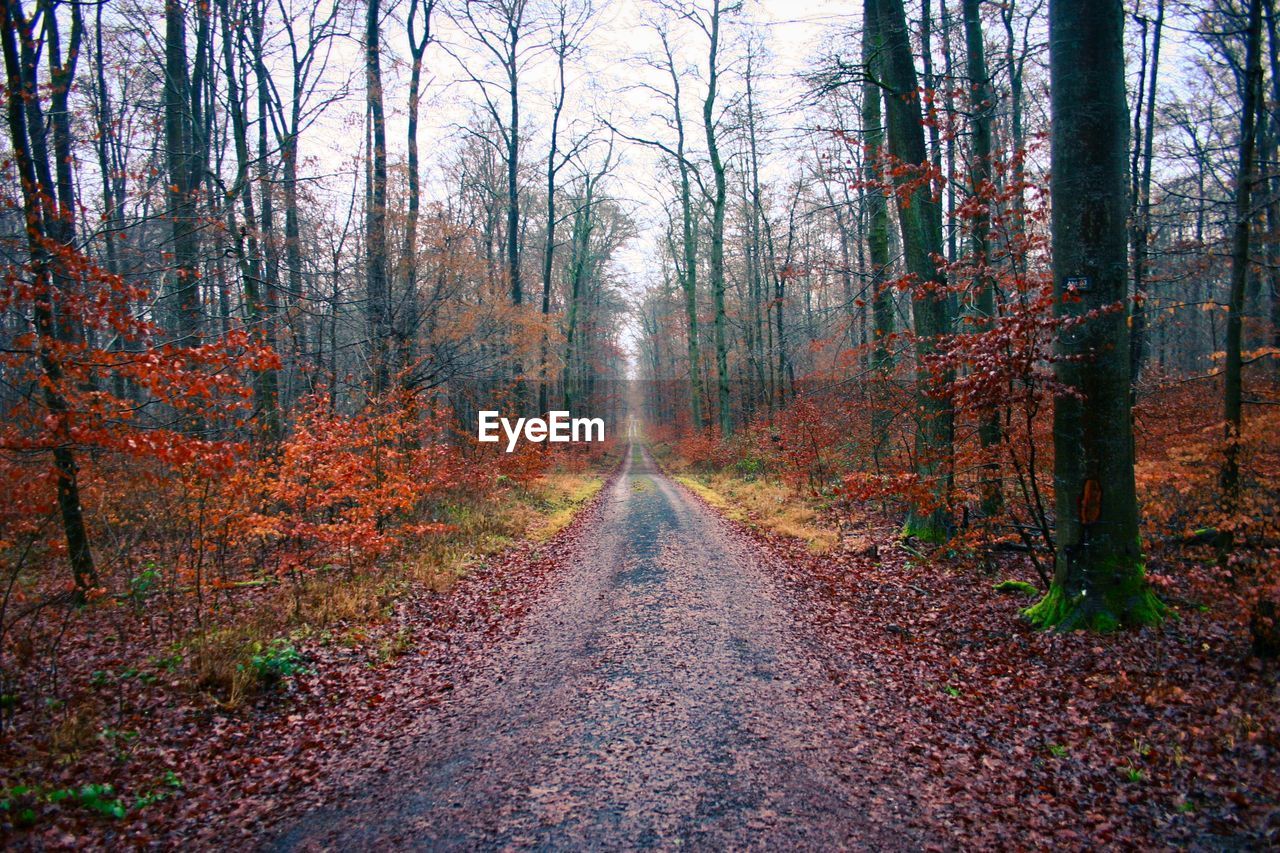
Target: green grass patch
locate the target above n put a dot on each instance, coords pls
(1012, 587)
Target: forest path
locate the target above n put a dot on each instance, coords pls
(660, 695)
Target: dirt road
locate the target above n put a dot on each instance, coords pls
(660, 695)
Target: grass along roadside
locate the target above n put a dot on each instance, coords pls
(234, 660)
(765, 504)
(565, 496)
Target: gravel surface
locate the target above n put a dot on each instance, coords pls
(661, 694)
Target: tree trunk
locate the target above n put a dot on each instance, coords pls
(266, 312)
(417, 50)
(378, 308)
(50, 218)
(296, 308)
(1240, 265)
(755, 271)
(982, 100)
(688, 233)
(1142, 208)
(877, 228)
(1273, 186)
(184, 179)
(582, 227)
(920, 220)
(265, 382)
(1015, 65)
(549, 246)
(1099, 581)
(716, 270)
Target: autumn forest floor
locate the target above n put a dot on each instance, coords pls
(670, 671)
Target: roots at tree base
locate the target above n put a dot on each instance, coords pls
(1125, 602)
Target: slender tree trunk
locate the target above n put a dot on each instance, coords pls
(877, 228)
(266, 312)
(265, 382)
(920, 220)
(982, 100)
(689, 237)
(417, 50)
(293, 242)
(1273, 184)
(106, 138)
(582, 227)
(716, 268)
(180, 150)
(50, 219)
(1142, 208)
(105, 146)
(513, 194)
(949, 108)
(755, 274)
(1240, 262)
(378, 308)
(1015, 64)
(549, 246)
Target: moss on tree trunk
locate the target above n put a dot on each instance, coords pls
(927, 527)
(1118, 598)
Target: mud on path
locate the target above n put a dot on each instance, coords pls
(662, 694)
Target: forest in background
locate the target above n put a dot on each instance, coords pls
(264, 261)
(892, 332)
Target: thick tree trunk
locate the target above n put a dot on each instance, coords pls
(1099, 581)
